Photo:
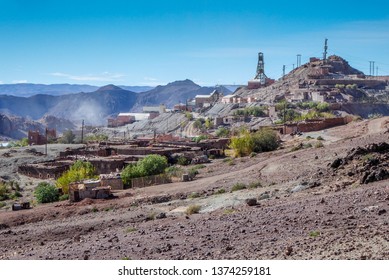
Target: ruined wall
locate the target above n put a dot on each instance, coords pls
(314, 125)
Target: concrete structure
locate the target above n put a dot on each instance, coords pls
(154, 109)
(112, 180)
(206, 99)
(88, 189)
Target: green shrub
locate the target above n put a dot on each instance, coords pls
(254, 185)
(174, 171)
(79, 171)
(64, 197)
(15, 195)
(222, 132)
(220, 191)
(183, 161)
(238, 186)
(314, 233)
(150, 165)
(192, 209)
(46, 193)
(320, 138)
(262, 141)
(193, 195)
(2, 204)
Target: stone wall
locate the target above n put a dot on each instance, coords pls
(314, 125)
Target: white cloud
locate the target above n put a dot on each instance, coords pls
(1, 82)
(103, 77)
(149, 79)
(19, 81)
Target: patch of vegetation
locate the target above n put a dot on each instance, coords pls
(254, 185)
(96, 137)
(253, 154)
(199, 138)
(319, 144)
(95, 209)
(2, 204)
(64, 197)
(309, 137)
(68, 137)
(254, 111)
(320, 138)
(193, 195)
(262, 141)
(151, 216)
(150, 165)
(174, 171)
(229, 211)
(220, 191)
(15, 195)
(314, 233)
(131, 229)
(222, 132)
(79, 171)
(367, 157)
(46, 193)
(238, 186)
(192, 209)
(189, 116)
(183, 161)
(21, 143)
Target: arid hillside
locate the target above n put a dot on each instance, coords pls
(310, 199)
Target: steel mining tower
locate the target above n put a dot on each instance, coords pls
(261, 70)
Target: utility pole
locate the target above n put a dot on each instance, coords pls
(46, 142)
(283, 71)
(293, 66)
(370, 62)
(325, 49)
(82, 132)
(373, 68)
(376, 72)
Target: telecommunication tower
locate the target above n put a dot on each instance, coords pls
(261, 70)
(325, 49)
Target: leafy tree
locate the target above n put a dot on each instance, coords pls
(68, 137)
(80, 170)
(150, 165)
(197, 124)
(247, 143)
(46, 193)
(208, 123)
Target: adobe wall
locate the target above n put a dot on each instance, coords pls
(314, 125)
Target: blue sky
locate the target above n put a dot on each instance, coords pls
(156, 42)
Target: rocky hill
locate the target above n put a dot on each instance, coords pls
(93, 107)
(13, 127)
(173, 93)
(321, 77)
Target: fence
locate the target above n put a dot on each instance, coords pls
(150, 181)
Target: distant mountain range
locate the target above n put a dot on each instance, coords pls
(27, 89)
(94, 107)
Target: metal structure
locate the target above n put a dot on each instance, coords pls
(298, 60)
(261, 70)
(325, 49)
(372, 68)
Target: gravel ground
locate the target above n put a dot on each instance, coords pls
(303, 211)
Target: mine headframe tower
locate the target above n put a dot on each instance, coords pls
(261, 70)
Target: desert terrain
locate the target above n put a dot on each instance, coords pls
(303, 201)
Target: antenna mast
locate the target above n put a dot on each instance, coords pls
(325, 49)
